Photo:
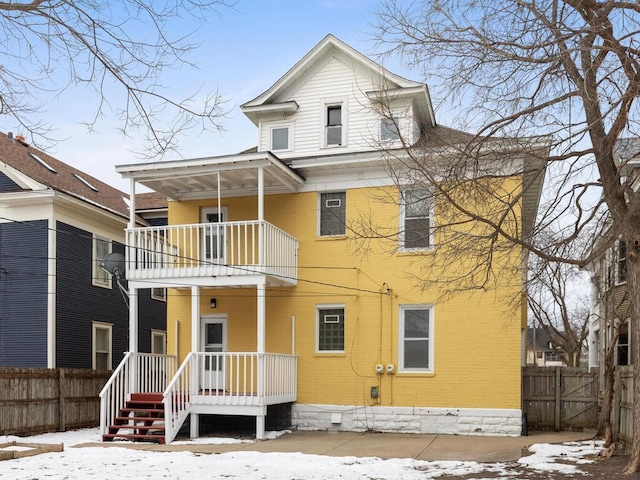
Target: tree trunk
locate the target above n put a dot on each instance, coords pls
(633, 286)
(607, 400)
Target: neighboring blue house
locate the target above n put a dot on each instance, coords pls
(58, 308)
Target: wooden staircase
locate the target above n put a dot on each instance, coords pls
(141, 420)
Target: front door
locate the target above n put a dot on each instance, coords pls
(213, 246)
(214, 340)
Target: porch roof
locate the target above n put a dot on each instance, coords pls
(198, 177)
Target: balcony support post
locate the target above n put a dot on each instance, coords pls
(261, 317)
(133, 338)
(261, 246)
(195, 318)
(132, 204)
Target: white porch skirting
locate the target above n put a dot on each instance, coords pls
(455, 421)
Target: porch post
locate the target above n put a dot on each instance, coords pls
(261, 317)
(194, 424)
(261, 248)
(260, 193)
(132, 204)
(260, 422)
(195, 318)
(133, 338)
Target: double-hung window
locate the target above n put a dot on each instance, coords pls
(101, 341)
(621, 264)
(101, 248)
(334, 125)
(417, 219)
(416, 338)
(333, 213)
(330, 328)
(622, 357)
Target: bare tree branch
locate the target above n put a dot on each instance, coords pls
(118, 50)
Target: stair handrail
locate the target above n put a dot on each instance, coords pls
(114, 393)
(177, 395)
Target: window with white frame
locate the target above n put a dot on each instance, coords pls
(389, 128)
(159, 342)
(101, 248)
(333, 125)
(330, 328)
(280, 138)
(622, 350)
(416, 338)
(332, 213)
(101, 346)
(159, 294)
(621, 261)
(416, 219)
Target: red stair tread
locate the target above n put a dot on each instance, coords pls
(143, 414)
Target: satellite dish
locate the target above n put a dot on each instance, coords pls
(114, 264)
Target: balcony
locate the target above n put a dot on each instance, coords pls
(231, 250)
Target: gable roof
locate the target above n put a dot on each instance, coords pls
(392, 85)
(33, 169)
(151, 201)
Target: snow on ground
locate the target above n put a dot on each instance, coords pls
(100, 463)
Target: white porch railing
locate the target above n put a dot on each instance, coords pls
(211, 249)
(137, 373)
(228, 379)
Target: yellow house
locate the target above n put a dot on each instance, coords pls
(275, 297)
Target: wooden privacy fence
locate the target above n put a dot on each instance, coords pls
(35, 400)
(559, 398)
(622, 414)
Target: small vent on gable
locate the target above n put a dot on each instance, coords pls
(333, 202)
(85, 182)
(42, 162)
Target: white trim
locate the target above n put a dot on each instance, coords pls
(617, 261)
(325, 104)
(221, 212)
(163, 335)
(51, 288)
(326, 306)
(102, 326)
(319, 208)
(160, 298)
(271, 126)
(402, 227)
(430, 339)
(96, 280)
(397, 117)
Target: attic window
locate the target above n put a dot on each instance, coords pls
(85, 182)
(42, 162)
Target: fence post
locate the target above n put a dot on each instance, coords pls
(616, 407)
(62, 423)
(558, 405)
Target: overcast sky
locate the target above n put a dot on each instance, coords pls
(243, 52)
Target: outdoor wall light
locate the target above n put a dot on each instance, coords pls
(212, 303)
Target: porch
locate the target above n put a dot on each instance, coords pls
(148, 398)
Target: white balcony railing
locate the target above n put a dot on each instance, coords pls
(243, 379)
(211, 249)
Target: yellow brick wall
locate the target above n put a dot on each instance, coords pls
(477, 336)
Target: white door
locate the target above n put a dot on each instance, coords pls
(214, 340)
(213, 246)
